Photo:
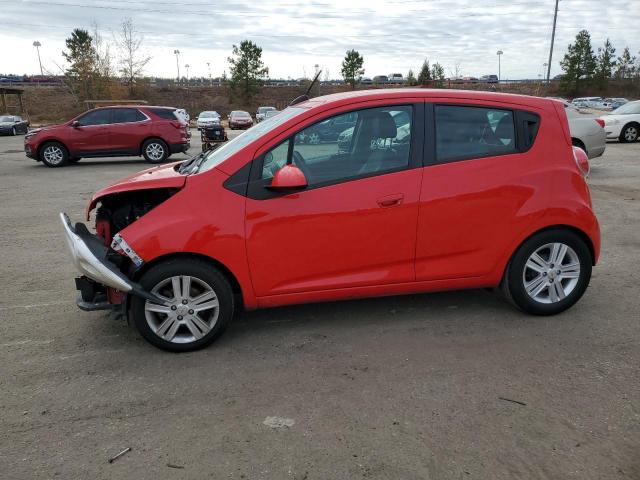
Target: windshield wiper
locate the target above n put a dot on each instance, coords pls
(184, 167)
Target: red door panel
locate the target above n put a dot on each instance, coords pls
(471, 210)
(128, 136)
(356, 233)
(88, 139)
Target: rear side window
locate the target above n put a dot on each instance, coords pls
(471, 132)
(165, 113)
(127, 115)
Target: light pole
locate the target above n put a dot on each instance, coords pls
(209, 70)
(544, 69)
(186, 65)
(499, 53)
(177, 53)
(37, 44)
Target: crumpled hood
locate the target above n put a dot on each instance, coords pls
(163, 176)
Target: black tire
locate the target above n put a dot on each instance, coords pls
(54, 155)
(155, 150)
(75, 159)
(199, 271)
(513, 283)
(14, 131)
(629, 133)
(578, 143)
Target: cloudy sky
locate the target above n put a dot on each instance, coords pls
(392, 35)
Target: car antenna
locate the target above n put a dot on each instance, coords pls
(305, 97)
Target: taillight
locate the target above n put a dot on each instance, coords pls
(600, 122)
(580, 156)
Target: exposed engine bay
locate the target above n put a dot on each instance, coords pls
(120, 210)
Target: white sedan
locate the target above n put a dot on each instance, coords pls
(207, 119)
(623, 123)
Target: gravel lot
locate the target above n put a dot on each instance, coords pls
(394, 388)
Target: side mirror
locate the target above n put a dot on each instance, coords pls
(75, 124)
(288, 177)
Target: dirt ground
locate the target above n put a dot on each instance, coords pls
(410, 387)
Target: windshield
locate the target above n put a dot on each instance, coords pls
(208, 114)
(240, 114)
(627, 109)
(6, 119)
(219, 155)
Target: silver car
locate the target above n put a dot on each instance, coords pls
(587, 131)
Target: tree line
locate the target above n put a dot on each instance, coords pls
(582, 67)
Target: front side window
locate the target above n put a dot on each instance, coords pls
(96, 117)
(470, 132)
(347, 146)
(127, 115)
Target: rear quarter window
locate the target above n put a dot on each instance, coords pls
(164, 113)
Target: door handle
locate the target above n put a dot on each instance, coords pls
(391, 200)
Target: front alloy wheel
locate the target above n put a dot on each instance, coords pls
(53, 155)
(198, 305)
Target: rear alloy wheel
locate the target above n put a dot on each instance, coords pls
(14, 132)
(629, 133)
(200, 305)
(155, 151)
(53, 154)
(548, 273)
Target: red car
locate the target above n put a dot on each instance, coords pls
(153, 132)
(240, 119)
(430, 190)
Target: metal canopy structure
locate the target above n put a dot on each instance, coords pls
(8, 92)
(89, 104)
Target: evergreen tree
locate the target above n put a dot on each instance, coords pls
(411, 78)
(626, 65)
(424, 77)
(579, 63)
(352, 70)
(437, 75)
(605, 63)
(247, 69)
(81, 56)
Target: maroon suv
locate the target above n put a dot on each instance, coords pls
(153, 132)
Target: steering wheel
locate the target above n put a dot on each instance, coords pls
(301, 163)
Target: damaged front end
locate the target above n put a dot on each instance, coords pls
(105, 259)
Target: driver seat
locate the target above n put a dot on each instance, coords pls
(375, 125)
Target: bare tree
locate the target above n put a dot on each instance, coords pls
(132, 58)
(104, 59)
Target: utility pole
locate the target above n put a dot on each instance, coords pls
(209, 70)
(553, 36)
(177, 53)
(37, 44)
(499, 53)
(187, 67)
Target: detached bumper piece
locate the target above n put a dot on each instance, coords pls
(89, 255)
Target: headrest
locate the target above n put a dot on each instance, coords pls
(379, 124)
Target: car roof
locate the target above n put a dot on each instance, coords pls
(133, 106)
(390, 93)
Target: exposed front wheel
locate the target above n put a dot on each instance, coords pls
(548, 273)
(629, 133)
(155, 151)
(200, 305)
(53, 154)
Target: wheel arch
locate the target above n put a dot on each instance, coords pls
(229, 275)
(51, 140)
(151, 137)
(572, 228)
(579, 143)
(634, 123)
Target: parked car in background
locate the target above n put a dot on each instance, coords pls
(265, 220)
(616, 102)
(395, 78)
(380, 80)
(328, 130)
(261, 113)
(469, 80)
(586, 102)
(623, 123)
(208, 118)
(366, 81)
(271, 113)
(587, 131)
(489, 79)
(240, 119)
(13, 125)
(182, 113)
(153, 132)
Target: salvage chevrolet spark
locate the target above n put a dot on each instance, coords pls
(428, 190)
